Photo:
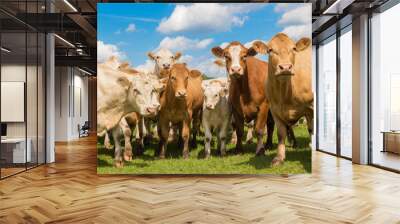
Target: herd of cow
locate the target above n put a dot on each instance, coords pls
(179, 100)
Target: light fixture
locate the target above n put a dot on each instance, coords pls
(337, 7)
(5, 50)
(70, 5)
(64, 40)
(84, 71)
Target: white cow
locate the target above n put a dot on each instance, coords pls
(120, 93)
(216, 113)
(164, 59)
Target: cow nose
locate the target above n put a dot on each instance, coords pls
(209, 106)
(151, 110)
(182, 93)
(236, 69)
(156, 107)
(285, 67)
(166, 66)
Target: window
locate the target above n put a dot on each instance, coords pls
(327, 95)
(385, 89)
(346, 92)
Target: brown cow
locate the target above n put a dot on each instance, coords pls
(289, 84)
(181, 102)
(246, 91)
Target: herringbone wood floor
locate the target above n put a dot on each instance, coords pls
(70, 191)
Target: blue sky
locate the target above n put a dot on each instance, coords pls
(130, 30)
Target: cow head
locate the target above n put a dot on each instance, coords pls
(179, 78)
(164, 58)
(234, 55)
(213, 94)
(282, 50)
(143, 93)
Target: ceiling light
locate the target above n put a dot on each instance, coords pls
(5, 50)
(86, 72)
(65, 41)
(70, 5)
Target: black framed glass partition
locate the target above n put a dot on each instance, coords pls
(384, 89)
(22, 66)
(326, 101)
(334, 96)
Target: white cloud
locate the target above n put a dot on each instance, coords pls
(105, 51)
(207, 67)
(298, 31)
(147, 67)
(206, 17)
(182, 43)
(299, 15)
(186, 58)
(131, 28)
(295, 20)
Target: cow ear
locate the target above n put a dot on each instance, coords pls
(203, 86)
(195, 73)
(124, 82)
(260, 47)
(223, 92)
(151, 56)
(218, 52)
(251, 52)
(162, 85)
(219, 63)
(303, 43)
(177, 55)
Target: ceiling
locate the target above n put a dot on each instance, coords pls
(75, 21)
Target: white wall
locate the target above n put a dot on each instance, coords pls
(69, 82)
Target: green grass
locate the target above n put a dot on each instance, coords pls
(298, 160)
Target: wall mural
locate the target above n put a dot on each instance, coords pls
(204, 88)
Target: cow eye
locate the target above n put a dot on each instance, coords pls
(136, 91)
(158, 57)
(172, 57)
(216, 95)
(173, 77)
(244, 57)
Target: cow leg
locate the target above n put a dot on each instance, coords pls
(310, 124)
(147, 135)
(185, 137)
(239, 126)
(126, 130)
(250, 130)
(270, 130)
(107, 142)
(118, 161)
(195, 129)
(222, 140)
(207, 139)
(291, 137)
(139, 136)
(163, 134)
(282, 131)
(260, 129)
(234, 137)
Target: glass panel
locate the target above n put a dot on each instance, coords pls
(31, 98)
(385, 83)
(41, 99)
(327, 96)
(13, 86)
(346, 93)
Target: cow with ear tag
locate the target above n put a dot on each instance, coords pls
(181, 102)
(247, 96)
(289, 88)
(216, 113)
